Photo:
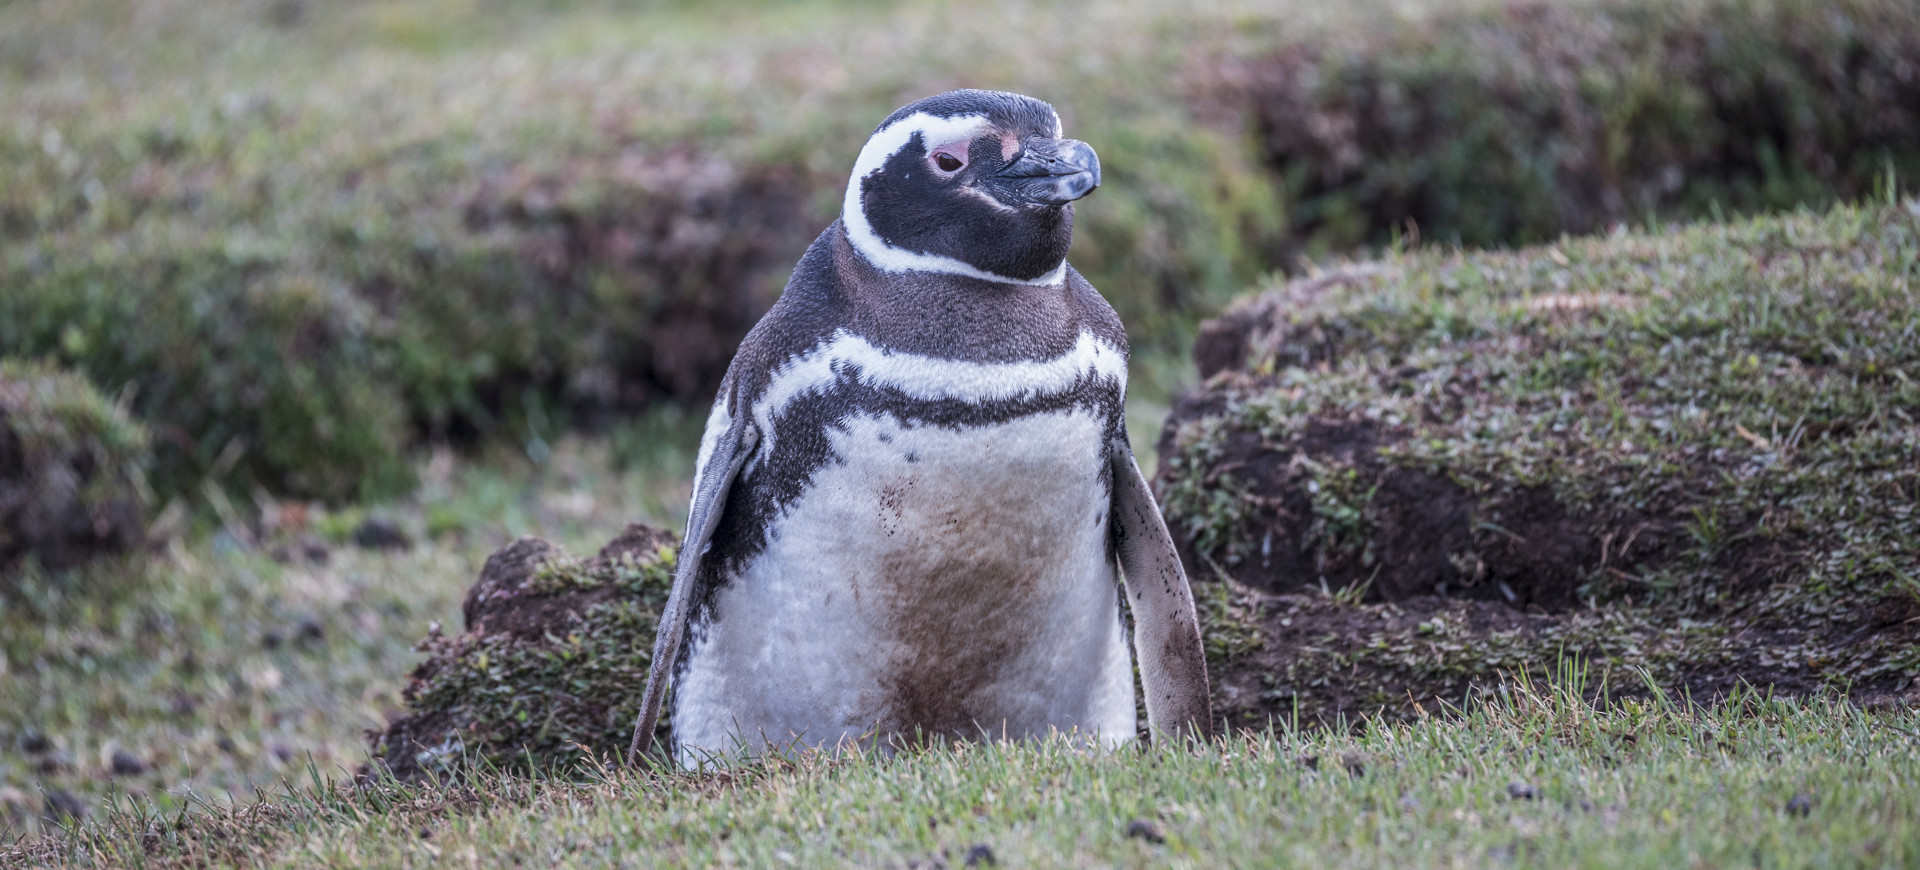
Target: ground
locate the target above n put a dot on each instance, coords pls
(222, 666)
(1535, 778)
(1492, 546)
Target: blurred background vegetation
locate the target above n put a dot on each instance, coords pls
(294, 275)
(298, 240)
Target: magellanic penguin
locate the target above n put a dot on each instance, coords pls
(915, 487)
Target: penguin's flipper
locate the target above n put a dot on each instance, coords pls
(1166, 631)
(717, 474)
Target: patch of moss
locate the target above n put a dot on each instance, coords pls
(1229, 620)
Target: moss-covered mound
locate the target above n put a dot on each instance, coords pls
(1516, 123)
(70, 470)
(308, 359)
(550, 668)
(1694, 453)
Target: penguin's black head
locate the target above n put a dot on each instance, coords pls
(976, 183)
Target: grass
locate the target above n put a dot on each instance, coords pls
(217, 669)
(1534, 777)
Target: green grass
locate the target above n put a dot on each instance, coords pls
(221, 670)
(1532, 778)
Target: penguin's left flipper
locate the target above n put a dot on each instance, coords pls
(703, 514)
(1166, 630)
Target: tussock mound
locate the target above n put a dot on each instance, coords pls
(1517, 123)
(69, 462)
(1689, 455)
(550, 668)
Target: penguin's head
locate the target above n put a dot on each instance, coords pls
(975, 183)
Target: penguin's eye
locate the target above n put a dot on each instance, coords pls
(947, 162)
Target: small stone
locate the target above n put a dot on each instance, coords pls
(63, 808)
(1521, 791)
(381, 534)
(1800, 805)
(1141, 829)
(33, 742)
(125, 763)
(981, 856)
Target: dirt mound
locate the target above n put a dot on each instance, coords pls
(1327, 510)
(68, 466)
(653, 263)
(550, 668)
(1402, 481)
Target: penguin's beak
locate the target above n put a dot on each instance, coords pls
(1052, 171)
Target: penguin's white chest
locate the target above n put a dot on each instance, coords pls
(938, 580)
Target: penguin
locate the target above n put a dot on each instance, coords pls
(915, 506)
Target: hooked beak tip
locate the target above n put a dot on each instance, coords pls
(1055, 171)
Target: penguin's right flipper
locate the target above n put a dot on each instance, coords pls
(1166, 630)
(717, 474)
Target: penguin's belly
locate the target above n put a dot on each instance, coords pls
(930, 581)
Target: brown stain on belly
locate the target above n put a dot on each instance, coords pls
(962, 586)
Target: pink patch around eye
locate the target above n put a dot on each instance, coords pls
(957, 149)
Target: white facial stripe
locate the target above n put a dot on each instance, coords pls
(888, 141)
(929, 378)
